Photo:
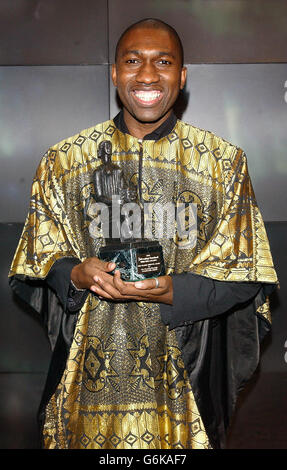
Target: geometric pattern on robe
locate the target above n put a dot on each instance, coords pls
(126, 383)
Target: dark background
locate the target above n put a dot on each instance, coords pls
(55, 58)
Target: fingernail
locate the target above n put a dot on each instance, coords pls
(139, 285)
(96, 278)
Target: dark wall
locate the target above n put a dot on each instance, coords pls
(54, 81)
(55, 59)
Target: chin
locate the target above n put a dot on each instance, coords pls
(149, 117)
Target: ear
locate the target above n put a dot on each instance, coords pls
(183, 77)
(114, 74)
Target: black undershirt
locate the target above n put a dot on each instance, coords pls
(195, 297)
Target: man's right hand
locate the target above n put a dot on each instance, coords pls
(83, 275)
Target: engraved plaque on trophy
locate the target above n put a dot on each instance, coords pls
(136, 258)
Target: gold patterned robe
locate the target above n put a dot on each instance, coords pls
(128, 382)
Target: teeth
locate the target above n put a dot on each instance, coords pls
(147, 95)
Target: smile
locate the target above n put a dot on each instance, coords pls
(147, 97)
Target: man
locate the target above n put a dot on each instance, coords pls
(157, 363)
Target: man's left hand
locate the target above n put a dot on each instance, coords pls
(141, 291)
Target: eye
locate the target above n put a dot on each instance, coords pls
(132, 61)
(164, 62)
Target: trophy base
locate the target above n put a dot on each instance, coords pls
(136, 261)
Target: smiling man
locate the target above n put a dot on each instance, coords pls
(148, 74)
(155, 364)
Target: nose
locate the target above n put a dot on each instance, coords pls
(147, 73)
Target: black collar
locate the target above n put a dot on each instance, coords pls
(163, 130)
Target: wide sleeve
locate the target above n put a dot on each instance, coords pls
(221, 349)
(46, 252)
(197, 298)
(238, 247)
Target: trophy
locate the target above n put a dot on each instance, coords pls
(136, 258)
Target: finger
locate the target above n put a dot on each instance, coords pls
(100, 285)
(149, 284)
(106, 266)
(108, 288)
(127, 288)
(123, 286)
(101, 275)
(97, 263)
(100, 292)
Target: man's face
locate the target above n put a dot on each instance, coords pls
(148, 73)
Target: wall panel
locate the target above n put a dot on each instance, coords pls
(24, 345)
(20, 396)
(53, 32)
(213, 31)
(39, 107)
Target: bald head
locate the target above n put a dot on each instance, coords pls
(153, 24)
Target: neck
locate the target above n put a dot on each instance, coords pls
(140, 129)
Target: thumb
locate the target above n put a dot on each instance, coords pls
(108, 266)
(102, 265)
